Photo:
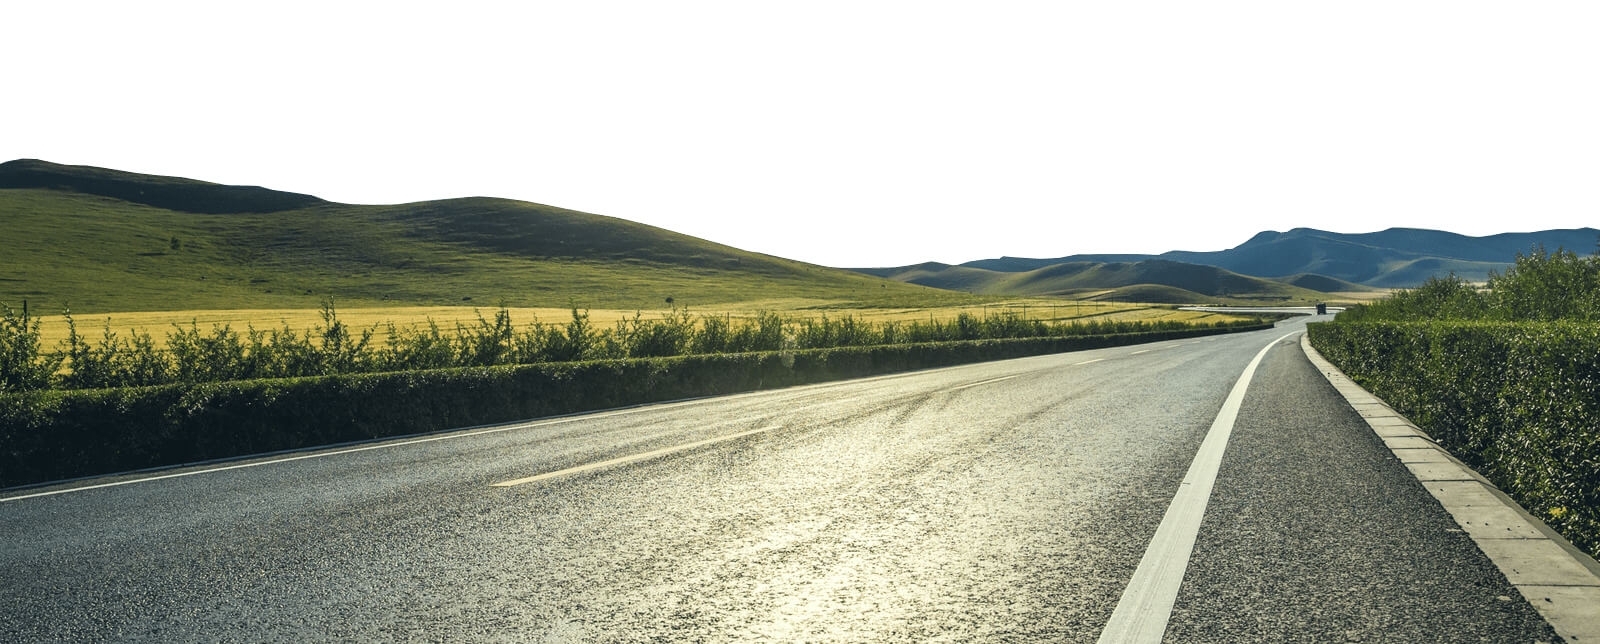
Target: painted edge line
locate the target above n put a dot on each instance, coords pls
(1145, 607)
(1571, 605)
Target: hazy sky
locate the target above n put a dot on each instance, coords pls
(848, 133)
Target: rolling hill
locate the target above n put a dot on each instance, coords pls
(1151, 280)
(1019, 264)
(1397, 257)
(1323, 283)
(105, 240)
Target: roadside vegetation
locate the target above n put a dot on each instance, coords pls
(1506, 376)
(106, 358)
(49, 434)
(54, 329)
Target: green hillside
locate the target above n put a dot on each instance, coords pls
(1324, 284)
(102, 240)
(1168, 281)
(1402, 273)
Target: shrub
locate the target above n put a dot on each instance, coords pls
(22, 366)
(417, 348)
(112, 362)
(1548, 286)
(714, 335)
(669, 336)
(1540, 286)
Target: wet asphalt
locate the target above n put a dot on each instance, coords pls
(1008, 500)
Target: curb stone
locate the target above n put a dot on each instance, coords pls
(1561, 582)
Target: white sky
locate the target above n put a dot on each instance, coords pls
(848, 133)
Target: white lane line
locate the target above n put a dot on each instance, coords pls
(629, 459)
(985, 382)
(1087, 362)
(1139, 352)
(1146, 605)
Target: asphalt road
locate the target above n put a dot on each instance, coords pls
(1004, 500)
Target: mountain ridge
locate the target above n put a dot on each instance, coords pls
(1394, 257)
(1172, 281)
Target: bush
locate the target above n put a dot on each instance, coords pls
(46, 435)
(111, 362)
(1548, 286)
(1540, 286)
(1447, 298)
(222, 354)
(1518, 401)
(22, 366)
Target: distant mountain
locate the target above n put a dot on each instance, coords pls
(1167, 280)
(106, 240)
(1397, 257)
(1019, 264)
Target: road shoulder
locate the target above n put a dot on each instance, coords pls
(1558, 580)
(1316, 533)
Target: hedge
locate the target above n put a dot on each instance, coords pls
(52, 435)
(1518, 401)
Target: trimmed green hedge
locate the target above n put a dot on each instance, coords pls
(1519, 401)
(50, 435)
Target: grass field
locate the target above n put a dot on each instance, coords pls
(97, 240)
(96, 254)
(157, 323)
(1357, 297)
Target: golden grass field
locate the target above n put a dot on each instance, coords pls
(157, 324)
(1357, 297)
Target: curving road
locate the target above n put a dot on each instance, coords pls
(1003, 500)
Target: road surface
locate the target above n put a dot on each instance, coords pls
(1004, 500)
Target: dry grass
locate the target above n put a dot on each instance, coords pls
(1357, 297)
(158, 323)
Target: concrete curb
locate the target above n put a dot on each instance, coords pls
(1560, 581)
